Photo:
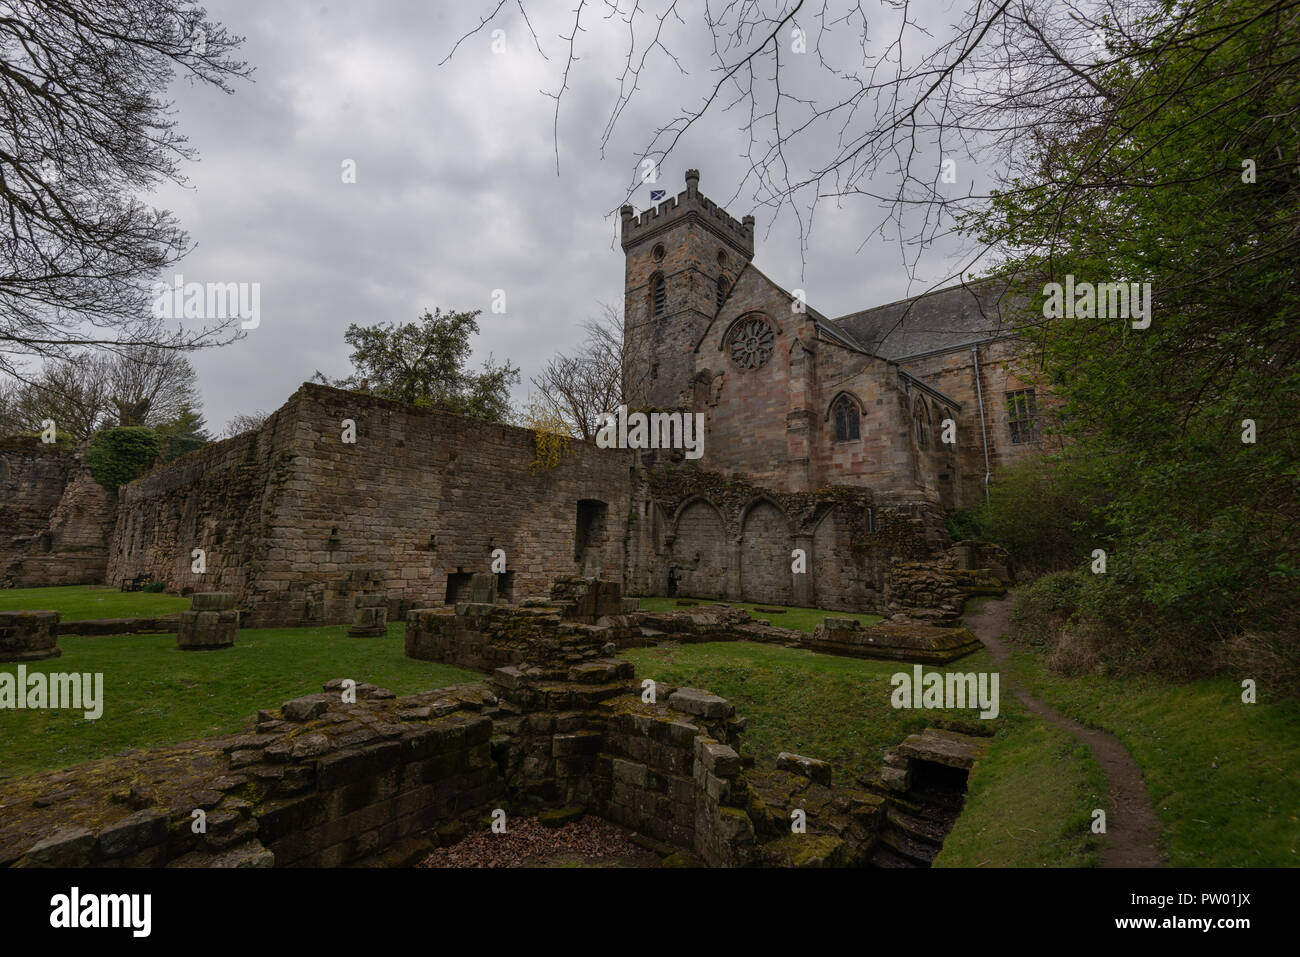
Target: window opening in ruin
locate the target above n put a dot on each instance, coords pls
(505, 586)
(722, 290)
(458, 587)
(846, 419)
(1022, 416)
(659, 294)
(589, 534)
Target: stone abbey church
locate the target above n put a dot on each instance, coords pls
(825, 475)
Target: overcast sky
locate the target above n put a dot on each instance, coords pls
(456, 192)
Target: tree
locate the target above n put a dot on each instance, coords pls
(837, 102)
(572, 392)
(424, 363)
(244, 422)
(89, 391)
(150, 385)
(1189, 425)
(84, 132)
(73, 392)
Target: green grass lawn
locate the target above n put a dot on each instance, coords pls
(1029, 800)
(821, 706)
(155, 694)
(77, 602)
(801, 619)
(1223, 776)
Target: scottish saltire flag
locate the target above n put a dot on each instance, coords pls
(656, 195)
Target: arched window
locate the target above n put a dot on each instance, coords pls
(922, 424)
(845, 413)
(658, 294)
(722, 290)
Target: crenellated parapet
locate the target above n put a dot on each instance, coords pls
(688, 204)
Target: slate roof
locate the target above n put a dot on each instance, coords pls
(943, 319)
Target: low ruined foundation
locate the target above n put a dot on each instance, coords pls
(29, 635)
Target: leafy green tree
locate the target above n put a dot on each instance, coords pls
(117, 456)
(1186, 180)
(425, 363)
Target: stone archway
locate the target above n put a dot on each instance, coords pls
(765, 545)
(699, 552)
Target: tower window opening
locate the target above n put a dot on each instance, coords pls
(658, 295)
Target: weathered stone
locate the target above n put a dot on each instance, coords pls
(28, 635)
(305, 708)
(698, 702)
(66, 847)
(210, 623)
(811, 768)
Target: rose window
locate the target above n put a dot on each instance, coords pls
(750, 341)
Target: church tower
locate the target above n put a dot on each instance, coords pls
(682, 258)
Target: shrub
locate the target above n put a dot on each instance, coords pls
(154, 587)
(117, 456)
(1047, 512)
(965, 524)
(1044, 608)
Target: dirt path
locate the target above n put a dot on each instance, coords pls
(1131, 825)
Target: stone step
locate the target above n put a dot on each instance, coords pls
(921, 829)
(883, 856)
(920, 852)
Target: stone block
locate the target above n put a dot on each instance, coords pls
(29, 635)
(811, 768)
(695, 701)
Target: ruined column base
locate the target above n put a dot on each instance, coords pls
(211, 622)
(371, 617)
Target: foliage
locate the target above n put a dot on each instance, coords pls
(1201, 528)
(577, 390)
(88, 391)
(551, 438)
(244, 422)
(117, 456)
(424, 363)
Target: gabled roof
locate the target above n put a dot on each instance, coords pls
(943, 319)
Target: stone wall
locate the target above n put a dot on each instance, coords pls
(221, 499)
(296, 521)
(321, 782)
(325, 782)
(706, 535)
(55, 518)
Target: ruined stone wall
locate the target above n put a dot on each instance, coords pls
(320, 783)
(222, 499)
(423, 496)
(721, 537)
(55, 518)
(298, 522)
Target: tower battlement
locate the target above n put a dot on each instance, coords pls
(686, 204)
